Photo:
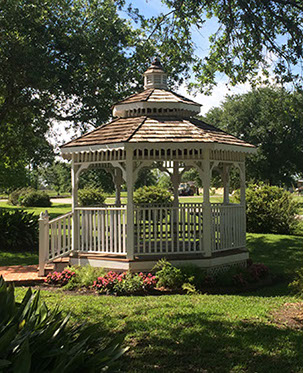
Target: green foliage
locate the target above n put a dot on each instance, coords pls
(296, 286)
(58, 177)
(95, 179)
(35, 199)
(91, 197)
(152, 195)
(146, 177)
(36, 339)
(18, 230)
(271, 119)
(29, 197)
(84, 276)
(192, 175)
(165, 182)
(14, 196)
(269, 209)
(194, 275)
(238, 276)
(168, 276)
(244, 35)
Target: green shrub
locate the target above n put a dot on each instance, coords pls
(35, 199)
(194, 275)
(270, 209)
(35, 339)
(13, 198)
(152, 195)
(18, 230)
(84, 276)
(242, 276)
(29, 197)
(168, 276)
(91, 197)
(296, 286)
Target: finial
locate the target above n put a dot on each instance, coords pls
(156, 61)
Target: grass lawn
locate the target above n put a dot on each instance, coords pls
(191, 333)
(194, 333)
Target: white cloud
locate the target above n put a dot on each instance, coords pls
(217, 96)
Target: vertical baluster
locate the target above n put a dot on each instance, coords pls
(64, 244)
(69, 232)
(59, 237)
(144, 229)
(124, 230)
(139, 215)
(103, 231)
(171, 215)
(115, 222)
(111, 231)
(107, 229)
(119, 234)
(183, 218)
(161, 229)
(155, 212)
(150, 231)
(167, 235)
(94, 229)
(98, 230)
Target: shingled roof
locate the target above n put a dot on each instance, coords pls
(157, 95)
(153, 129)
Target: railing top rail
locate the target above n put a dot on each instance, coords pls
(61, 217)
(122, 208)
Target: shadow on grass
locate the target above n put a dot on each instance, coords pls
(282, 254)
(8, 258)
(194, 343)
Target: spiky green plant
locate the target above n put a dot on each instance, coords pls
(35, 339)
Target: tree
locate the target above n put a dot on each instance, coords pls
(59, 60)
(58, 177)
(271, 119)
(146, 177)
(69, 61)
(252, 36)
(96, 179)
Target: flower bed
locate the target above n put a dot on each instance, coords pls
(167, 278)
(59, 278)
(125, 283)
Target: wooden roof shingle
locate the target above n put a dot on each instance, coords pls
(156, 95)
(152, 129)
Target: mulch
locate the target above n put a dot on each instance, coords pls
(290, 315)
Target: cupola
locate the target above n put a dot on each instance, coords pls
(155, 76)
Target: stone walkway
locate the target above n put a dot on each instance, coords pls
(21, 275)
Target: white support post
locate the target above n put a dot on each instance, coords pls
(75, 223)
(226, 182)
(43, 242)
(206, 205)
(130, 206)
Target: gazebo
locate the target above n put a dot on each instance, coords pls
(153, 128)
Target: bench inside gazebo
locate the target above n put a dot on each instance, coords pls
(154, 128)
